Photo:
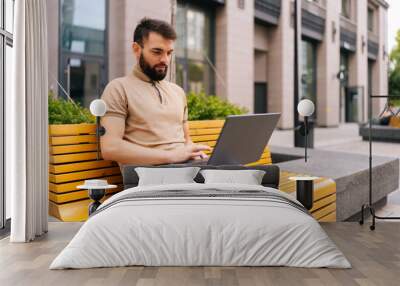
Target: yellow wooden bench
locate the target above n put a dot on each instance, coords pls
(73, 159)
(394, 121)
(324, 207)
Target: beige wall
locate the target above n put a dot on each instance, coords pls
(260, 38)
(380, 67)
(261, 55)
(235, 54)
(133, 12)
(328, 61)
(260, 66)
(116, 39)
(280, 71)
(359, 62)
(221, 45)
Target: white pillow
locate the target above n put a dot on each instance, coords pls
(161, 176)
(249, 177)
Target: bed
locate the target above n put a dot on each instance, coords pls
(201, 224)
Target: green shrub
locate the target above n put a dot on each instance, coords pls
(67, 112)
(202, 107)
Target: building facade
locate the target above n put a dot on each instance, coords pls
(240, 50)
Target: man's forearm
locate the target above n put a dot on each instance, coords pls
(126, 152)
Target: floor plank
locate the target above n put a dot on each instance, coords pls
(375, 257)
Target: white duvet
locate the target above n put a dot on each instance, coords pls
(183, 231)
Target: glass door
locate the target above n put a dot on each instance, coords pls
(344, 83)
(260, 97)
(195, 47)
(309, 72)
(83, 77)
(83, 49)
(352, 102)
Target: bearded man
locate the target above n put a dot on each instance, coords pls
(146, 118)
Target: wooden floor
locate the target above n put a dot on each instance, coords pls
(375, 257)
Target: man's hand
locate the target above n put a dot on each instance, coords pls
(187, 152)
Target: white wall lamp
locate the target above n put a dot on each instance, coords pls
(384, 54)
(306, 108)
(98, 108)
(334, 31)
(363, 43)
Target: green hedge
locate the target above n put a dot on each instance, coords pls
(67, 112)
(201, 107)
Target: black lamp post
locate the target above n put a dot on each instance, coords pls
(305, 108)
(342, 76)
(297, 23)
(98, 108)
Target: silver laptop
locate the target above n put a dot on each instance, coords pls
(242, 140)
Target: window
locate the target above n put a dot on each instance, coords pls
(83, 25)
(344, 81)
(194, 48)
(83, 54)
(346, 8)
(309, 71)
(344, 68)
(370, 76)
(6, 43)
(370, 19)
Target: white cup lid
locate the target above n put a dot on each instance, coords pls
(96, 184)
(303, 178)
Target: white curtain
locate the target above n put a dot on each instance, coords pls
(27, 124)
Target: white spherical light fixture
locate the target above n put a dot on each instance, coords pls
(306, 107)
(98, 107)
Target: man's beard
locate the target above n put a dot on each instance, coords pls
(152, 72)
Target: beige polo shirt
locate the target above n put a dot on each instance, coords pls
(154, 112)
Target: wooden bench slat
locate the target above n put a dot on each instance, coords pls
(320, 191)
(209, 143)
(318, 204)
(77, 195)
(69, 187)
(206, 123)
(84, 175)
(72, 129)
(324, 211)
(199, 138)
(329, 217)
(394, 121)
(325, 188)
(288, 189)
(73, 211)
(81, 166)
(263, 161)
(77, 157)
(69, 140)
(320, 184)
(68, 149)
(205, 131)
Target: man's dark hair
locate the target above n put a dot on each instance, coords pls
(147, 25)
